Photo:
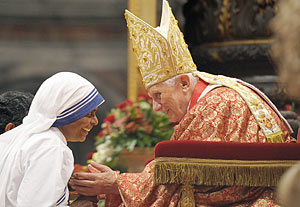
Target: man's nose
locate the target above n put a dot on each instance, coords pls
(156, 106)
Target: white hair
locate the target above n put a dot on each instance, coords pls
(171, 81)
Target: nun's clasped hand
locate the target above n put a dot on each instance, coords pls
(101, 180)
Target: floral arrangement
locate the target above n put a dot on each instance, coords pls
(129, 125)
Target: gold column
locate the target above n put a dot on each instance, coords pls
(146, 10)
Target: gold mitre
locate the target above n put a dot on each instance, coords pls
(161, 52)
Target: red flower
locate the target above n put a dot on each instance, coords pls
(100, 134)
(89, 155)
(287, 107)
(144, 96)
(104, 132)
(131, 127)
(139, 113)
(124, 104)
(122, 121)
(110, 118)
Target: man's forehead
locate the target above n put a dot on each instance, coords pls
(156, 88)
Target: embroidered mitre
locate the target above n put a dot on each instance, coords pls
(161, 52)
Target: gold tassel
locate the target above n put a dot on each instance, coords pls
(192, 171)
(275, 137)
(187, 198)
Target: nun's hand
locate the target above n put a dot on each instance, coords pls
(101, 180)
(85, 201)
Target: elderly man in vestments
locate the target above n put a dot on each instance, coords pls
(206, 107)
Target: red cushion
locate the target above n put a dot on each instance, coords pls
(228, 150)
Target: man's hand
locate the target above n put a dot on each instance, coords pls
(102, 180)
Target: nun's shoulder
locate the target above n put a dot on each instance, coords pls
(48, 139)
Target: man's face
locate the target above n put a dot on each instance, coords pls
(169, 99)
(78, 130)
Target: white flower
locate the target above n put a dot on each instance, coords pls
(104, 152)
(145, 105)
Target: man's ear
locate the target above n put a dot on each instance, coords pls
(185, 81)
(9, 126)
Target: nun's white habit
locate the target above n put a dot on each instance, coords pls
(35, 162)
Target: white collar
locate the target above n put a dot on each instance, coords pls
(61, 135)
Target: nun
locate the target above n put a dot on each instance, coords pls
(35, 161)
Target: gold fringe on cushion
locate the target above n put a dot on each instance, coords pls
(195, 171)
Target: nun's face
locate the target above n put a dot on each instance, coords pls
(78, 130)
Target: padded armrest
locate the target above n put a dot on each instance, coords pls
(228, 150)
(223, 163)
